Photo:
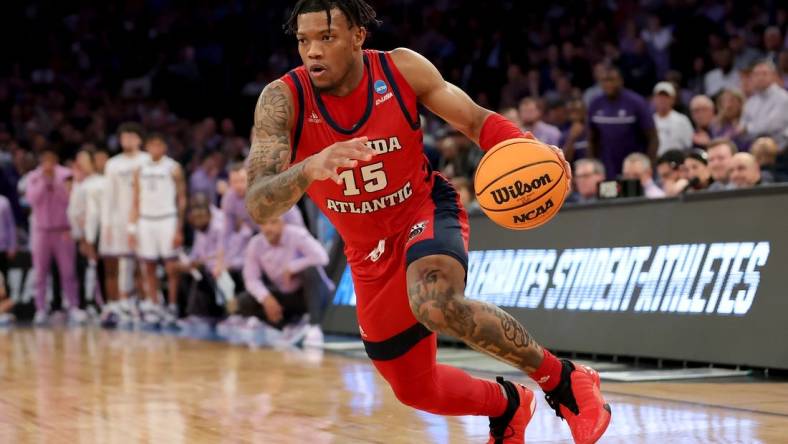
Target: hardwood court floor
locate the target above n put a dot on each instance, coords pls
(93, 386)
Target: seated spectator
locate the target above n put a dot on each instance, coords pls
(620, 123)
(743, 55)
(745, 172)
(671, 172)
(459, 156)
(674, 128)
(765, 151)
(511, 114)
(516, 88)
(8, 242)
(730, 103)
(637, 166)
(702, 113)
(464, 188)
(531, 120)
(589, 173)
(284, 278)
(557, 114)
(48, 189)
(724, 75)
(720, 152)
(574, 140)
(698, 173)
(199, 293)
(238, 226)
(765, 111)
(205, 178)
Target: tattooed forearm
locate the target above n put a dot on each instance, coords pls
(273, 195)
(272, 187)
(484, 327)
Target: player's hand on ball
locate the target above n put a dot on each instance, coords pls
(272, 309)
(567, 167)
(341, 155)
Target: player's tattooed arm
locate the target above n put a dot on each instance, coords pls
(273, 187)
(438, 303)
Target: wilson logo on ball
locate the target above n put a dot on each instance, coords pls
(518, 188)
(533, 214)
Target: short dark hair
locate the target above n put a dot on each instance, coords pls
(358, 12)
(131, 127)
(674, 158)
(156, 136)
(236, 166)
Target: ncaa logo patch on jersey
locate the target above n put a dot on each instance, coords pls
(416, 230)
(381, 87)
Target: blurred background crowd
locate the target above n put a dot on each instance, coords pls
(678, 95)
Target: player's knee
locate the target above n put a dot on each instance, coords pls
(435, 284)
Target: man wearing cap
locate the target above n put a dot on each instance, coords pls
(674, 129)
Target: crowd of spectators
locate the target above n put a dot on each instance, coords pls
(680, 95)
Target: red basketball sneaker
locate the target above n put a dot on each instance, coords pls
(509, 428)
(578, 400)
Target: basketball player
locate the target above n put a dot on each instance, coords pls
(344, 128)
(156, 226)
(114, 244)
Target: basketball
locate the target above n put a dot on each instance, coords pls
(521, 184)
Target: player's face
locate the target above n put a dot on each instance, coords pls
(238, 182)
(272, 229)
(328, 54)
(130, 141)
(156, 148)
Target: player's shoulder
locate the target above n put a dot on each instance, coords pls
(407, 58)
(420, 73)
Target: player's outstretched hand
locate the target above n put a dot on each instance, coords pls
(341, 155)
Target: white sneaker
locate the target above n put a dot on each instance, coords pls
(6, 319)
(77, 316)
(128, 316)
(42, 318)
(167, 315)
(314, 337)
(292, 334)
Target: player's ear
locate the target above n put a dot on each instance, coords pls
(359, 36)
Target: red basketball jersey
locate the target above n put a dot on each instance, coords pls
(380, 197)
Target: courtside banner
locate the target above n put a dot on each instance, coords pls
(701, 278)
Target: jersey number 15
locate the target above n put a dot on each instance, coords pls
(372, 175)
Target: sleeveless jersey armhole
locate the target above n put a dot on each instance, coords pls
(399, 85)
(297, 90)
